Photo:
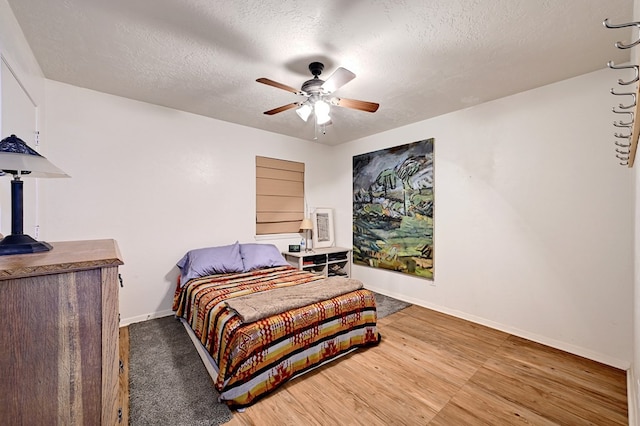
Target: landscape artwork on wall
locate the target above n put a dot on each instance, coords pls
(393, 209)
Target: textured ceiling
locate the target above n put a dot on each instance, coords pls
(416, 58)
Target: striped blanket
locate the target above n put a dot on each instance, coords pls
(253, 358)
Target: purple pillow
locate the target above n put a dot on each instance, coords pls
(258, 256)
(209, 261)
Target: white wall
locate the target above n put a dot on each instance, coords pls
(159, 181)
(533, 218)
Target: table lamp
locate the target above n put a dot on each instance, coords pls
(18, 159)
(306, 225)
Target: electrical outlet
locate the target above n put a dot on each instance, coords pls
(37, 232)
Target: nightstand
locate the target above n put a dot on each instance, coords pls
(330, 261)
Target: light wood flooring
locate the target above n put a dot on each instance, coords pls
(123, 395)
(436, 369)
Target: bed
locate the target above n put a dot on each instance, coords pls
(259, 322)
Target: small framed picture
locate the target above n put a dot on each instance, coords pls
(323, 228)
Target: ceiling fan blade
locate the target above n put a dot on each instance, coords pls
(355, 104)
(278, 85)
(282, 108)
(339, 78)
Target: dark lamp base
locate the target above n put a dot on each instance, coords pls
(21, 244)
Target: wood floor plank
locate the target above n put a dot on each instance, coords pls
(268, 411)
(410, 398)
(473, 406)
(123, 378)
(578, 370)
(563, 392)
(365, 388)
(330, 405)
(459, 345)
(458, 326)
(392, 372)
(566, 371)
(412, 354)
(552, 403)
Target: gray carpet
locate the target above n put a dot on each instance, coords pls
(169, 385)
(386, 305)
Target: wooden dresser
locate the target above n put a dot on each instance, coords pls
(59, 335)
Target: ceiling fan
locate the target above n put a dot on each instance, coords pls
(318, 93)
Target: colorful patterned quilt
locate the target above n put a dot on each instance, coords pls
(252, 359)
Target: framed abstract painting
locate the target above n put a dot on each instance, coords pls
(393, 202)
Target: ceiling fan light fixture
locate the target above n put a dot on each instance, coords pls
(304, 111)
(322, 109)
(322, 119)
(317, 92)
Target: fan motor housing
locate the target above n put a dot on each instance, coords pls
(312, 86)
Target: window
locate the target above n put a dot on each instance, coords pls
(279, 196)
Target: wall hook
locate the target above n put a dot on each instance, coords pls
(633, 95)
(611, 65)
(623, 112)
(622, 158)
(619, 44)
(628, 24)
(621, 136)
(621, 124)
(613, 92)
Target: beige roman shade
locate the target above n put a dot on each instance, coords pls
(279, 196)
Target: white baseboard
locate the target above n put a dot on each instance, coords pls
(140, 318)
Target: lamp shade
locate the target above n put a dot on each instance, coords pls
(17, 158)
(306, 224)
(304, 111)
(322, 112)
